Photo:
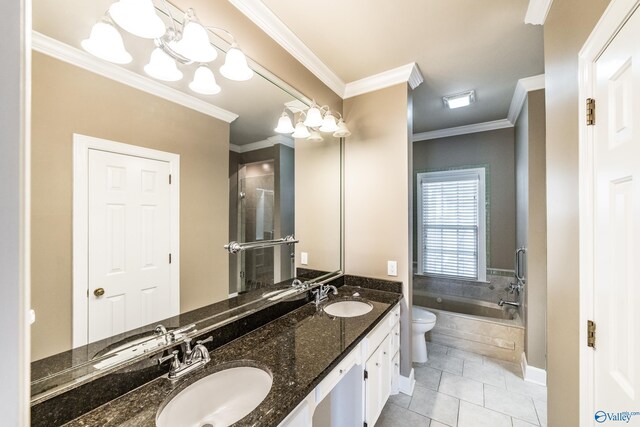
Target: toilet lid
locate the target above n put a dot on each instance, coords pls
(423, 316)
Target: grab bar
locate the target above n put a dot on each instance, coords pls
(235, 247)
(519, 275)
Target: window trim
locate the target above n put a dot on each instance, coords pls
(452, 175)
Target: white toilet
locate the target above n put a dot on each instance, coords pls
(423, 322)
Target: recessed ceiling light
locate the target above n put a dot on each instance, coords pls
(459, 99)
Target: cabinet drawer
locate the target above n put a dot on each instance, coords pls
(383, 328)
(395, 338)
(338, 372)
(394, 315)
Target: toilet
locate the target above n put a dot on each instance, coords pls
(423, 322)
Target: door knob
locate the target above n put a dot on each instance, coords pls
(98, 292)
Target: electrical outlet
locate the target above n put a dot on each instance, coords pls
(304, 258)
(392, 268)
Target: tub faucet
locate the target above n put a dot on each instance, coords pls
(322, 293)
(513, 304)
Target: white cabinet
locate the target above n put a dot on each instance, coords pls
(377, 382)
(356, 391)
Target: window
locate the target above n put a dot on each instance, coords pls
(451, 224)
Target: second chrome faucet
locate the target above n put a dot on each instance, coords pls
(193, 358)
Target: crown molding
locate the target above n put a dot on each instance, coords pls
(64, 52)
(269, 142)
(537, 12)
(463, 130)
(264, 18)
(409, 73)
(523, 87)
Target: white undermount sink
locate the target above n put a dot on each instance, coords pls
(347, 308)
(217, 400)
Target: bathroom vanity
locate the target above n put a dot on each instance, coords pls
(325, 370)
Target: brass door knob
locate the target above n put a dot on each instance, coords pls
(98, 292)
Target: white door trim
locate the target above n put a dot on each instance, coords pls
(614, 17)
(81, 146)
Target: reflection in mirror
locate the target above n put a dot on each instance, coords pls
(137, 185)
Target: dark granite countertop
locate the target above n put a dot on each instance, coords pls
(298, 349)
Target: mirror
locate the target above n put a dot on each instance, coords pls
(137, 185)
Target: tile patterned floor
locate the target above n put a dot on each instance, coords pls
(457, 388)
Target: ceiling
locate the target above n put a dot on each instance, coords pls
(458, 45)
(70, 21)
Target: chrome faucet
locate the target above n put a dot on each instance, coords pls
(193, 358)
(322, 293)
(503, 302)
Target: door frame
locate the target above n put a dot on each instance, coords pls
(615, 16)
(81, 146)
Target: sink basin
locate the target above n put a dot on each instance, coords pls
(348, 308)
(219, 399)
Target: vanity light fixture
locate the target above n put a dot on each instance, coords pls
(315, 136)
(186, 45)
(204, 82)
(162, 67)
(284, 124)
(138, 17)
(459, 99)
(316, 120)
(329, 123)
(343, 131)
(314, 117)
(301, 131)
(105, 42)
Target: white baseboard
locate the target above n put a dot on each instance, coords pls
(407, 384)
(531, 373)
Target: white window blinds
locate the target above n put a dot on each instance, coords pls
(451, 214)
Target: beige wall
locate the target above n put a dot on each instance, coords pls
(317, 203)
(495, 149)
(377, 189)
(568, 25)
(531, 220)
(68, 100)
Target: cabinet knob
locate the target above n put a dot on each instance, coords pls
(341, 371)
(377, 364)
(98, 292)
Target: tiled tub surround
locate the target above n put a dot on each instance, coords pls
(481, 327)
(298, 349)
(491, 290)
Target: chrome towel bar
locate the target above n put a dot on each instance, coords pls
(235, 247)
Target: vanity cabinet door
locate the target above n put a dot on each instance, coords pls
(378, 382)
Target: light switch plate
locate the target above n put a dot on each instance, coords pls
(392, 268)
(304, 258)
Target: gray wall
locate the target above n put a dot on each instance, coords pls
(568, 25)
(531, 224)
(284, 207)
(496, 149)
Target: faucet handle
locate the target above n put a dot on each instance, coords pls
(200, 342)
(174, 355)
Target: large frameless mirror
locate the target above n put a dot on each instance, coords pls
(138, 184)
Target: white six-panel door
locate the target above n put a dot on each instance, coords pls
(616, 166)
(129, 242)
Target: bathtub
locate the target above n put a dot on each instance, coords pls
(478, 326)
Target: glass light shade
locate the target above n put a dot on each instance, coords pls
(343, 131)
(105, 42)
(314, 118)
(195, 44)
(301, 131)
(138, 17)
(162, 67)
(315, 136)
(329, 123)
(235, 66)
(204, 82)
(284, 124)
